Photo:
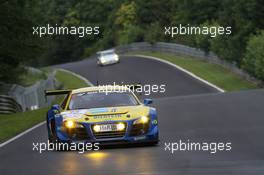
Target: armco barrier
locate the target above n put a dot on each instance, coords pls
(9, 105)
(17, 98)
(33, 97)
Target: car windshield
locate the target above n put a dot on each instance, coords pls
(89, 100)
(108, 54)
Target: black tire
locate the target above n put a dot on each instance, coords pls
(53, 137)
(99, 64)
(155, 142)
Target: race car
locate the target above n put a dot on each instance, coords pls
(107, 57)
(102, 115)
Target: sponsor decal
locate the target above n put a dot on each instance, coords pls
(113, 110)
(107, 116)
(75, 116)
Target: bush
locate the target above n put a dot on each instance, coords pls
(129, 34)
(152, 34)
(253, 61)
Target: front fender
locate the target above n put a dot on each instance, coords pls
(51, 115)
(153, 114)
(154, 121)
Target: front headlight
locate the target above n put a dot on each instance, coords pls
(71, 124)
(141, 120)
(96, 128)
(120, 126)
(102, 59)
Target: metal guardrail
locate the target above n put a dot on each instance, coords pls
(173, 48)
(9, 105)
(33, 97)
(19, 98)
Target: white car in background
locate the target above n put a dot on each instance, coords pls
(107, 57)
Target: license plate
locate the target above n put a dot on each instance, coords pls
(108, 127)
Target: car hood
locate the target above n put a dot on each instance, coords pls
(106, 114)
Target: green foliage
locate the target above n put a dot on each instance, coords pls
(126, 15)
(18, 46)
(126, 22)
(12, 35)
(129, 34)
(204, 41)
(253, 61)
(155, 35)
(195, 12)
(120, 22)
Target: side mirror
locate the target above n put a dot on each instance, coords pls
(56, 108)
(147, 101)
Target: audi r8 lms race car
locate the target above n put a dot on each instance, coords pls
(98, 114)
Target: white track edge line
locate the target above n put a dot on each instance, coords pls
(183, 70)
(39, 124)
(21, 134)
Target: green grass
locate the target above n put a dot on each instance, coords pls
(212, 73)
(69, 81)
(14, 124)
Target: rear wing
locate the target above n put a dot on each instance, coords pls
(56, 92)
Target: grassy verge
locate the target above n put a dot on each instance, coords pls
(69, 81)
(212, 73)
(14, 124)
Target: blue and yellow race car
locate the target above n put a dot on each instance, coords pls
(102, 114)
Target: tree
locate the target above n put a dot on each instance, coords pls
(253, 61)
(17, 46)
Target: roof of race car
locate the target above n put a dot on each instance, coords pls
(106, 51)
(102, 88)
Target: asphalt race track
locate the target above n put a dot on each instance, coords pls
(139, 70)
(189, 110)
